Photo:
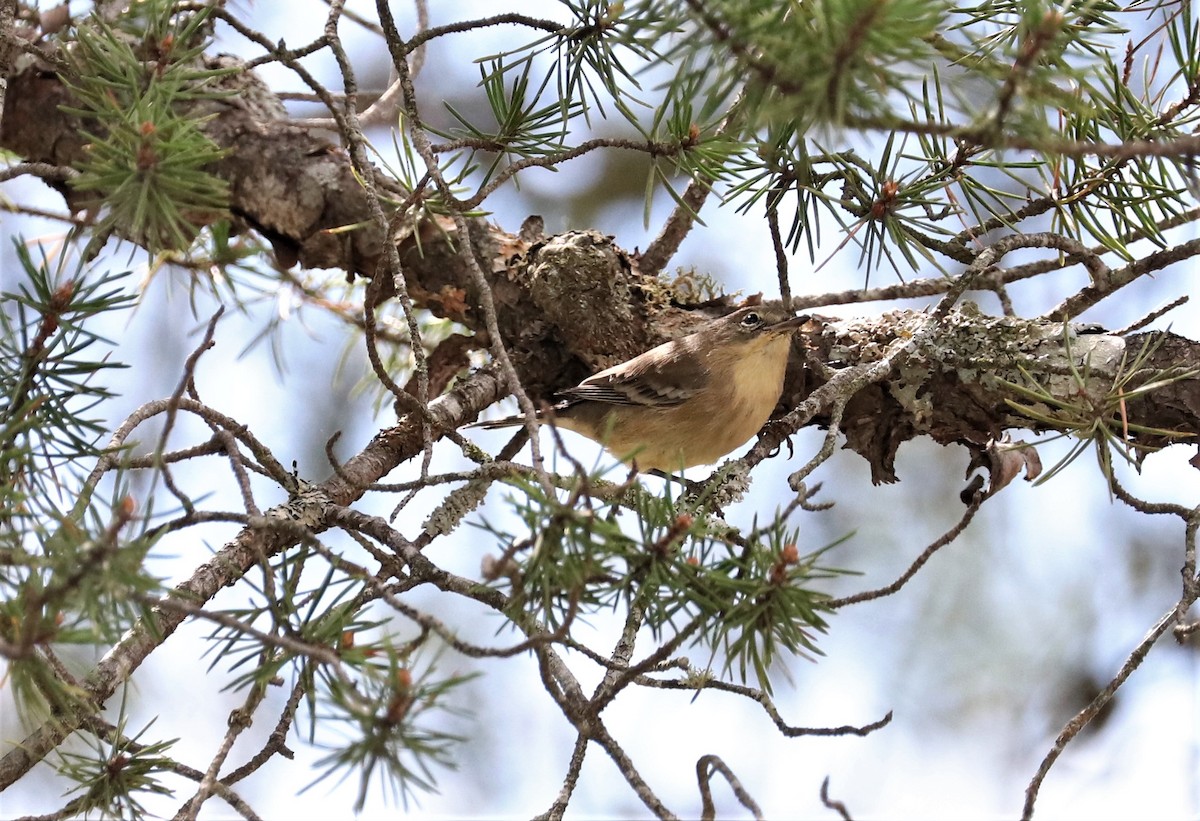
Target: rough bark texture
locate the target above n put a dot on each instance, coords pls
(954, 390)
(571, 304)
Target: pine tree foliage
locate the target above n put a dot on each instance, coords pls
(944, 148)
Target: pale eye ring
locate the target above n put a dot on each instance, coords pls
(751, 320)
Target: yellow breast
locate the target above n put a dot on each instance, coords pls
(734, 405)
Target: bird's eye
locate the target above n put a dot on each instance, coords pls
(751, 320)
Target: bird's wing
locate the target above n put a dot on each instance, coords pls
(645, 381)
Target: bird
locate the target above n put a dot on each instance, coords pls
(687, 402)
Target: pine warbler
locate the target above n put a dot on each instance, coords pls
(687, 402)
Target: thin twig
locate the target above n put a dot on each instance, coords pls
(836, 806)
(926, 554)
(705, 766)
(1081, 719)
(574, 767)
(464, 246)
(1153, 315)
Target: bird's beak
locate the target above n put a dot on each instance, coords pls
(788, 325)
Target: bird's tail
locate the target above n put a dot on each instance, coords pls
(545, 413)
(493, 424)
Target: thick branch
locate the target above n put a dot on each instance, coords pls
(953, 389)
(573, 304)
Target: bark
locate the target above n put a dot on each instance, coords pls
(954, 390)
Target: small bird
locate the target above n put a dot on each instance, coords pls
(687, 402)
